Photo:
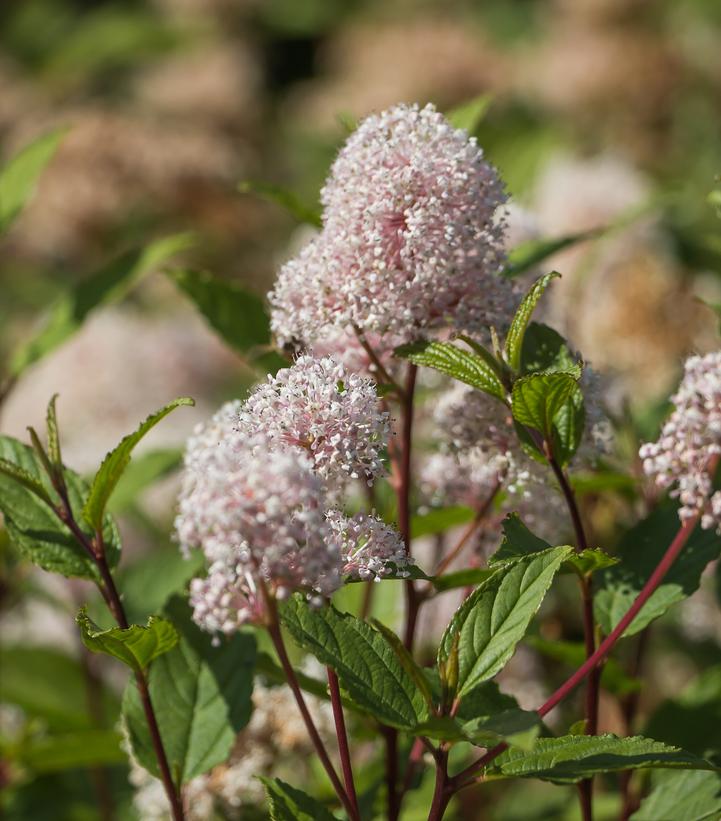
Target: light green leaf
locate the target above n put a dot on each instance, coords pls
(591, 560)
(366, 664)
(20, 175)
(285, 198)
(572, 758)
(135, 646)
(54, 454)
(682, 796)
(235, 313)
(494, 618)
(27, 480)
(536, 400)
(530, 254)
(35, 529)
(470, 114)
(462, 365)
(115, 463)
(519, 728)
(108, 285)
(70, 751)
(288, 803)
(640, 551)
(514, 339)
(469, 577)
(201, 695)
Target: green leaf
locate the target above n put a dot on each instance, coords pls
(470, 114)
(108, 285)
(591, 560)
(235, 313)
(54, 454)
(640, 550)
(201, 695)
(115, 463)
(365, 662)
(35, 529)
(519, 728)
(445, 357)
(407, 661)
(22, 477)
(514, 339)
(51, 686)
(530, 254)
(545, 350)
(285, 198)
(142, 472)
(288, 803)
(20, 175)
(573, 654)
(536, 400)
(494, 618)
(469, 577)
(135, 646)
(568, 426)
(682, 796)
(572, 758)
(69, 751)
(438, 520)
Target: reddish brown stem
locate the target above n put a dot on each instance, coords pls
(441, 795)
(342, 734)
(465, 777)
(403, 492)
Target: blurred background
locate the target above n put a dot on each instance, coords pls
(602, 114)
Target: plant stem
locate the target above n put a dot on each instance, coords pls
(585, 788)
(464, 778)
(393, 799)
(340, 729)
(276, 636)
(403, 491)
(441, 796)
(96, 550)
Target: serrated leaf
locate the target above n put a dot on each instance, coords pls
(108, 285)
(470, 114)
(35, 529)
(494, 618)
(682, 796)
(462, 365)
(640, 551)
(117, 460)
(514, 338)
(407, 661)
(136, 646)
(365, 662)
(285, 198)
(22, 477)
(572, 758)
(19, 176)
(536, 400)
(201, 697)
(288, 803)
(235, 313)
(530, 254)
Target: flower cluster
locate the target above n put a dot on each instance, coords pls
(689, 447)
(259, 486)
(410, 240)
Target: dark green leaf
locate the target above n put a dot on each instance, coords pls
(235, 313)
(514, 338)
(22, 477)
(470, 114)
(285, 199)
(108, 285)
(201, 695)
(462, 365)
(545, 350)
(682, 796)
(494, 618)
(115, 463)
(572, 758)
(640, 551)
(288, 803)
(407, 661)
(537, 399)
(365, 662)
(35, 529)
(568, 426)
(20, 175)
(135, 646)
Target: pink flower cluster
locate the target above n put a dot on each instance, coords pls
(259, 486)
(689, 447)
(410, 240)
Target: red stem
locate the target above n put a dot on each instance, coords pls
(463, 779)
(341, 733)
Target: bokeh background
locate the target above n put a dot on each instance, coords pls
(602, 114)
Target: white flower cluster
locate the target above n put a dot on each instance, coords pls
(690, 443)
(410, 238)
(258, 491)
